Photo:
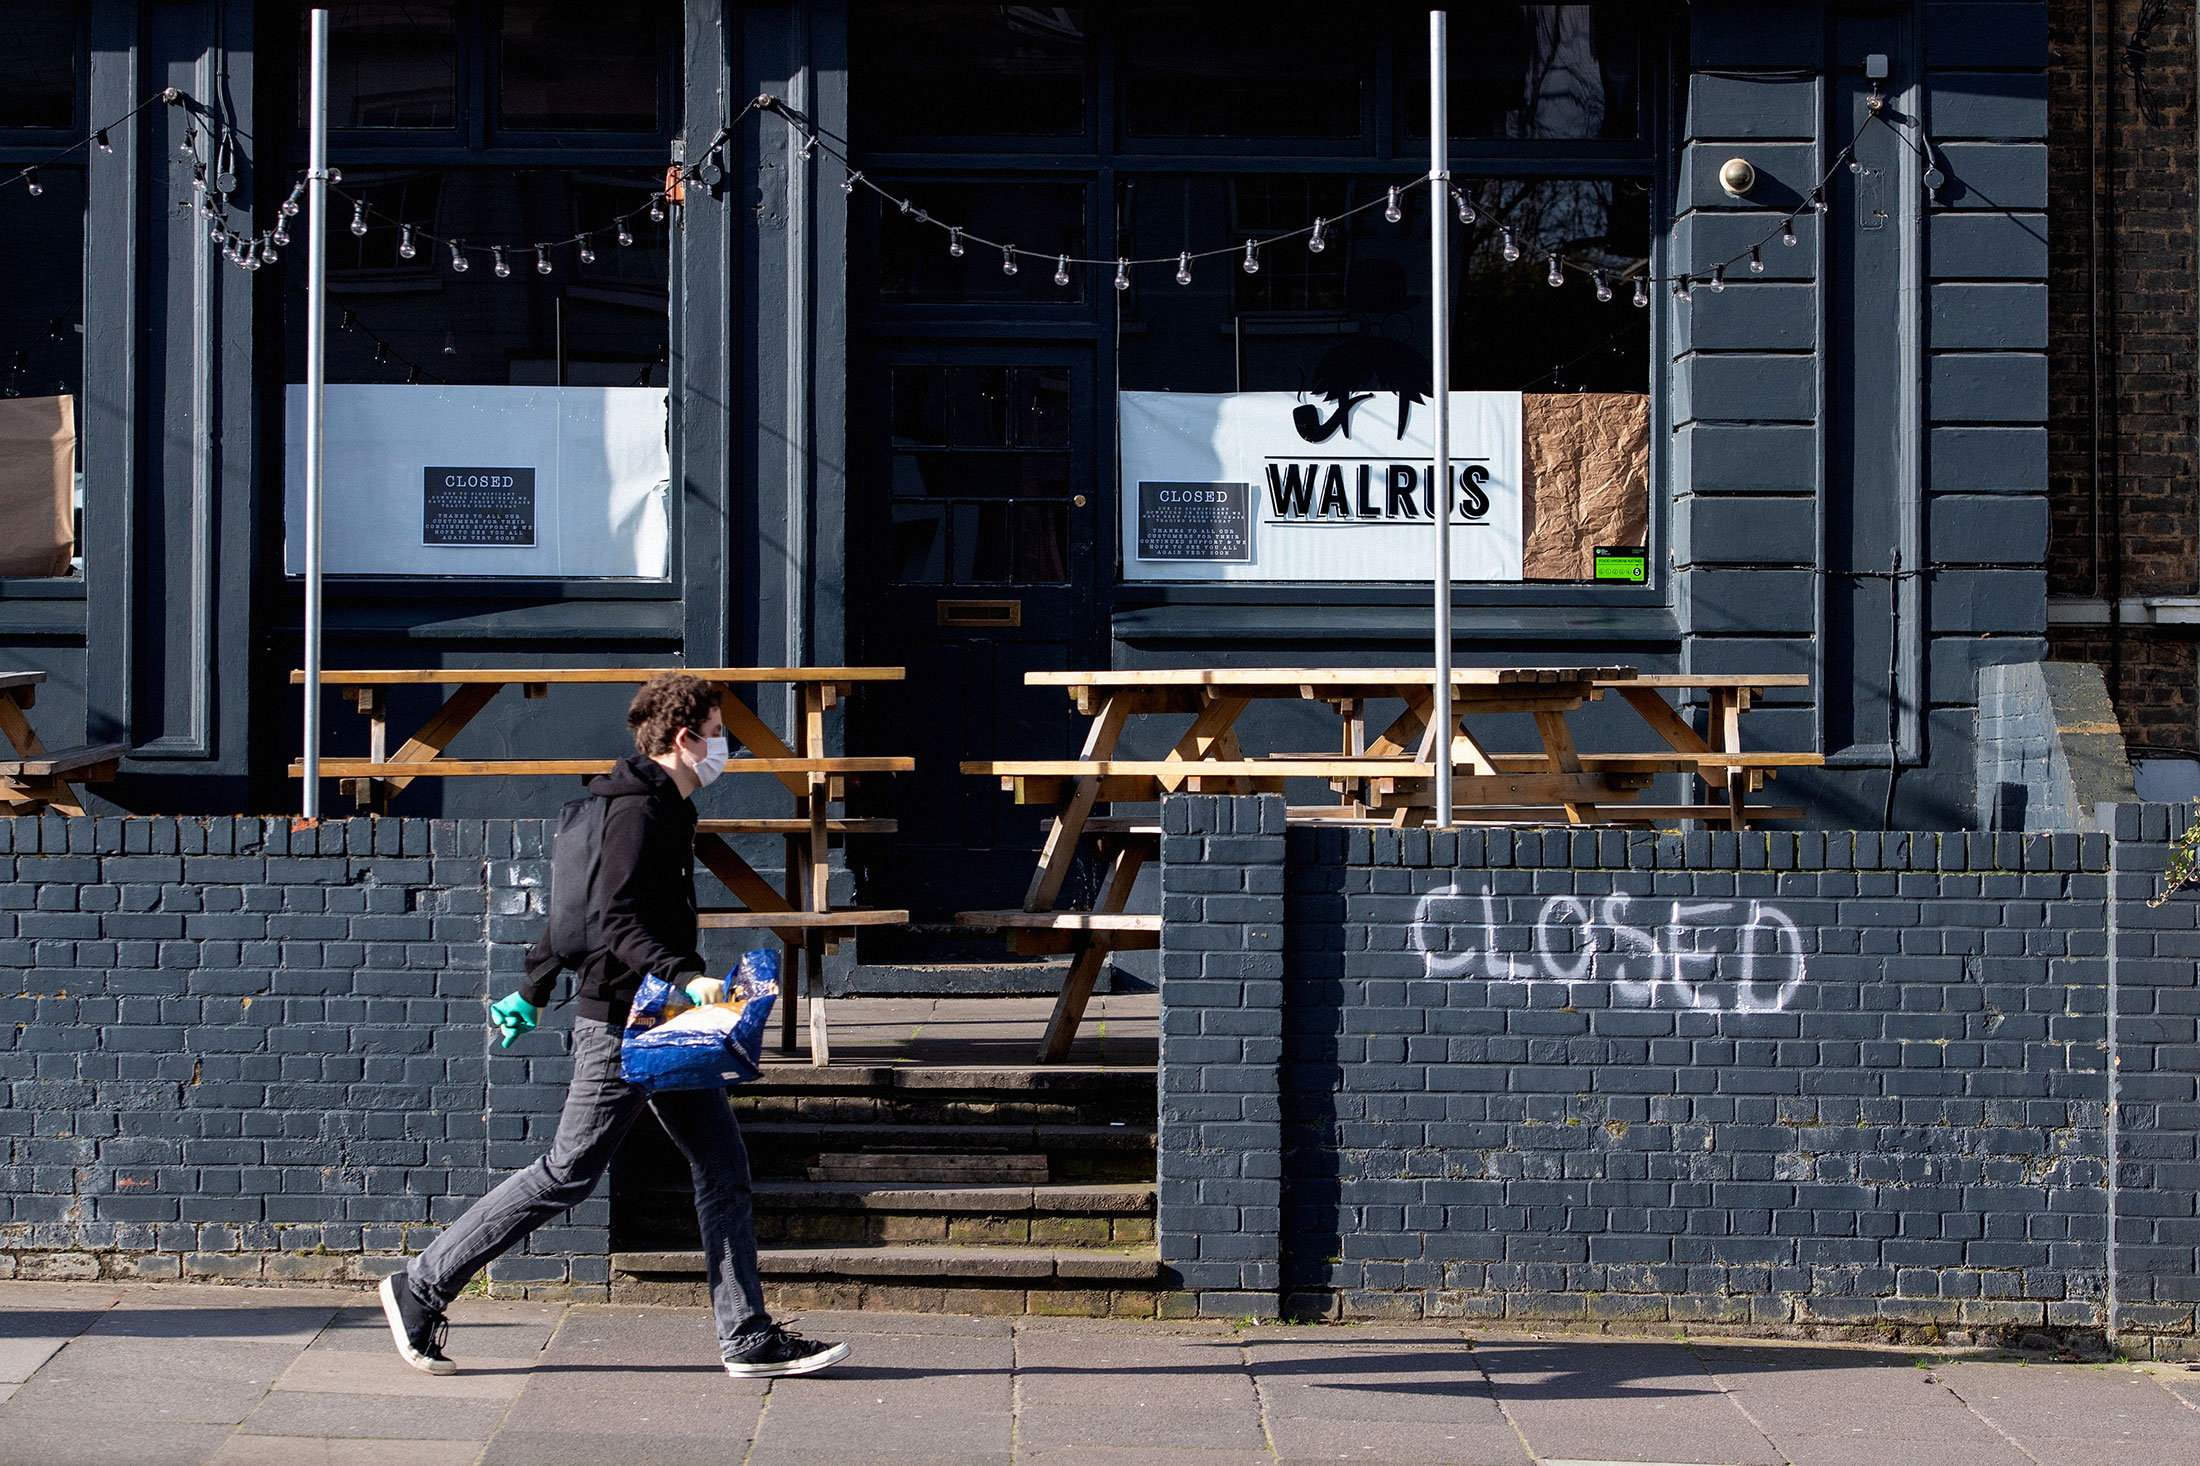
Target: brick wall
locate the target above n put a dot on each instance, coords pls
(1793, 1081)
(242, 1050)
(2140, 296)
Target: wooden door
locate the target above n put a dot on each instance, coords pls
(976, 534)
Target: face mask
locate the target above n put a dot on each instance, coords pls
(713, 761)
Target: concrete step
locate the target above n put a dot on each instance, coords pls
(987, 1168)
(1073, 1153)
(814, 1213)
(890, 1094)
(1122, 1282)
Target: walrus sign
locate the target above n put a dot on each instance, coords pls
(1278, 486)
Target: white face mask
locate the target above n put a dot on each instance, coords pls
(713, 761)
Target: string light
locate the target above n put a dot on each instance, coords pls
(1756, 261)
(656, 212)
(1718, 279)
(30, 181)
(1252, 261)
(1184, 268)
(625, 238)
(1511, 249)
(458, 259)
(1604, 287)
(1008, 259)
(955, 243)
(542, 260)
(1061, 270)
(100, 137)
(1314, 241)
(848, 181)
(359, 221)
(1681, 288)
(1642, 292)
(1466, 205)
(503, 267)
(405, 250)
(1391, 212)
(1787, 231)
(190, 147)
(1557, 275)
(588, 253)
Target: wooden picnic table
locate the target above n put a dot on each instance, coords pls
(1387, 779)
(38, 779)
(798, 913)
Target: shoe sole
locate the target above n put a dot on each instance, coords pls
(824, 1359)
(396, 1320)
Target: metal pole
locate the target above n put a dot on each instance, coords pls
(1439, 293)
(316, 383)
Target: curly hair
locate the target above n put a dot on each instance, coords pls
(665, 704)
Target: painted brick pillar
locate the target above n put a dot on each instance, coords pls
(1220, 1167)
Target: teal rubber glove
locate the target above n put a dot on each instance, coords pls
(513, 1015)
(704, 990)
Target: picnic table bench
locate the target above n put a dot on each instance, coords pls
(1387, 779)
(798, 913)
(37, 778)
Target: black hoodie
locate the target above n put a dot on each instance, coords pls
(644, 896)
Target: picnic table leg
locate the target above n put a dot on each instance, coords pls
(1091, 953)
(1726, 732)
(1558, 742)
(790, 967)
(63, 799)
(813, 978)
(817, 857)
(1069, 820)
(372, 795)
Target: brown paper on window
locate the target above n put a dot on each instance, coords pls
(37, 466)
(1585, 478)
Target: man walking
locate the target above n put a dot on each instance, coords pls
(643, 903)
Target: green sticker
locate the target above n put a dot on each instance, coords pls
(1622, 562)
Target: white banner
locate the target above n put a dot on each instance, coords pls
(1279, 486)
(565, 482)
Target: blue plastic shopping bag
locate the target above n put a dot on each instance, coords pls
(671, 1043)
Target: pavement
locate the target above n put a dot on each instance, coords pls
(166, 1375)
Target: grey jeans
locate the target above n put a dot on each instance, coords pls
(600, 1107)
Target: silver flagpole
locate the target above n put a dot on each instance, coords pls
(1439, 233)
(316, 382)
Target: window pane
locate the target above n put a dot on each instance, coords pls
(392, 63)
(981, 407)
(982, 475)
(1299, 70)
(38, 65)
(582, 68)
(1042, 407)
(42, 360)
(919, 548)
(391, 314)
(920, 406)
(1535, 71)
(914, 259)
(981, 544)
(1042, 543)
(946, 70)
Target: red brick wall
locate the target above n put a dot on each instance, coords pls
(2144, 291)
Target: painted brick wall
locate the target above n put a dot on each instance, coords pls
(234, 1049)
(2124, 523)
(1790, 1081)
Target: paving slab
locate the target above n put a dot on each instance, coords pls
(625, 1447)
(1472, 1442)
(162, 1381)
(343, 1372)
(799, 1434)
(1600, 1401)
(93, 1297)
(1418, 1383)
(381, 1417)
(823, 1324)
(1139, 1456)
(1847, 1407)
(55, 1441)
(295, 1450)
(216, 1315)
(361, 1328)
(1135, 1419)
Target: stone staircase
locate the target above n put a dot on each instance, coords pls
(920, 1189)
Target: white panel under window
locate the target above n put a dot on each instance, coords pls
(559, 482)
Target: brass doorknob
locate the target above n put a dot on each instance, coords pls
(1078, 500)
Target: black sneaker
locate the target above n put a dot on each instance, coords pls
(781, 1354)
(418, 1329)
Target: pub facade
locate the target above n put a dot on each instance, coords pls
(981, 340)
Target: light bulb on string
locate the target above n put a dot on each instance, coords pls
(1184, 268)
(626, 237)
(405, 247)
(381, 352)
(809, 146)
(100, 137)
(267, 249)
(412, 373)
(190, 142)
(289, 208)
(1008, 259)
(30, 181)
(656, 211)
(542, 260)
(1642, 292)
(1252, 261)
(1061, 270)
(281, 235)
(450, 343)
(458, 259)
(1604, 287)
(1122, 274)
(955, 243)
(848, 181)
(1391, 212)
(1682, 289)
(503, 267)
(1787, 231)
(1466, 205)
(588, 251)
(1558, 274)
(1718, 278)
(1511, 248)
(1756, 261)
(336, 175)
(358, 221)
(1315, 242)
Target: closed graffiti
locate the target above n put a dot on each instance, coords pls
(1741, 956)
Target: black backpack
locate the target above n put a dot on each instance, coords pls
(574, 855)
